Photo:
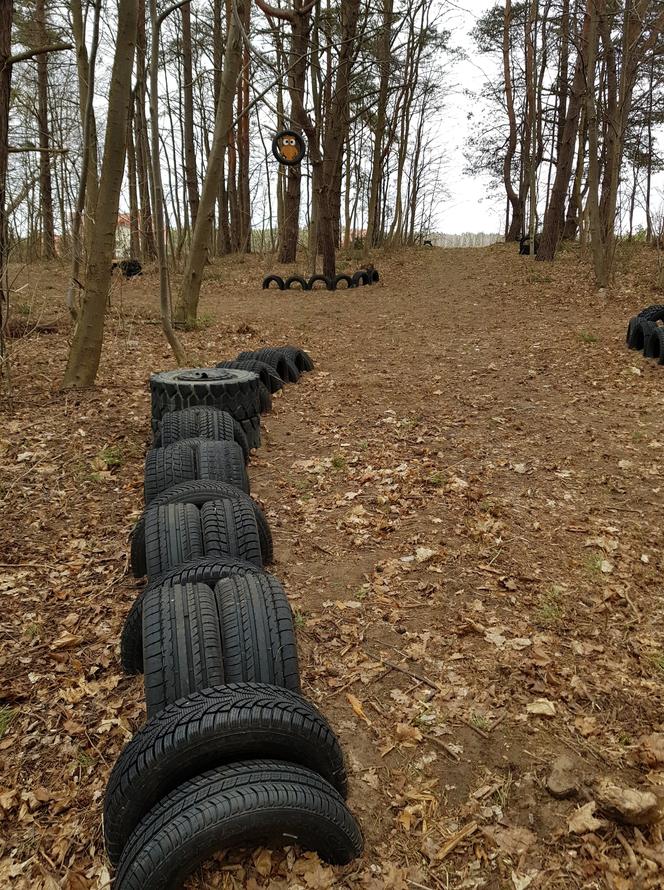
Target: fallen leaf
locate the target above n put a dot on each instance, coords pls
(542, 707)
(582, 820)
(358, 710)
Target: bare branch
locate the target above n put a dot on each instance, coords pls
(171, 9)
(31, 53)
(286, 14)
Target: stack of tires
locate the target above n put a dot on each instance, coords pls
(232, 755)
(646, 335)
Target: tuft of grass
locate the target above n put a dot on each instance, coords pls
(480, 722)
(203, 322)
(594, 564)
(436, 479)
(658, 662)
(32, 630)
(112, 456)
(299, 619)
(339, 462)
(638, 436)
(550, 610)
(84, 760)
(7, 717)
(587, 337)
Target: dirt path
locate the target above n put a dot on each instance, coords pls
(465, 504)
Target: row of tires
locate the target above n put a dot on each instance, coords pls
(231, 755)
(646, 335)
(361, 278)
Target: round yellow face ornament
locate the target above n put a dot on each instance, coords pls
(288, 147)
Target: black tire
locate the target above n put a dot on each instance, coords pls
(265, 399)
(252, 430)
(273, 279)
(375, 276)
(346, 278)
(361, 278)
(198, 492)
(285, 369)
(229, 389)
(201, 571)
(207, 729)
(301, 359)
(315, 279)
(654, 346)
(181, 643)
(247, 804)
(222, 462)
(640, 333)
(296, 279)
(652, 313)
(631, 324)
(257, 632)
(230, 531)
(172, 536)
(266, 372)
(201, 423)
(167, 466)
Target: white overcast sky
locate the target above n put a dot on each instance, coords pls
(468, 208)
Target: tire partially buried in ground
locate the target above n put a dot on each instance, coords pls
(194, 459)
(201, 423)
(200, 571)
(181, 644)
(252, 430)
(257, 632)
(361, 278)
(266, 372)
(343, 278)
(301, 359)
(225, 528)
(230, 531)
(206, 730)
(195, 637)
(653, 313)
(285, 369)
(172, 536)
(229, 389)
(296, 279)
(256, 802)
(273, 279)
(654, 347)
(640, 332)
(198, 492)
(320, 279)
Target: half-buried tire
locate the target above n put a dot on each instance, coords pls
(247, 804)
(200, 571)
(198, 492)
(206, 730)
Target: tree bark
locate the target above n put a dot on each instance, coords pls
(85, 352)
(45, 185)
(188, 96)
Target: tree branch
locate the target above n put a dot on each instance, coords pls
(31, 53)
(171, 9)
(286, 14)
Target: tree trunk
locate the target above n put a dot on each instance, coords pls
(85, 352)
(516, 226)
(45, 186)
(551, 232)
(148, 246)
(193, 274)
(6, 14)
(188, 94)
(134, 221)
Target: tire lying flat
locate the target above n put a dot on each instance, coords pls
(200, 571)
(228, 389)
(198, 492)
(209, 729)
(257, 802)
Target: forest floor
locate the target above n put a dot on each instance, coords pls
(465, 498)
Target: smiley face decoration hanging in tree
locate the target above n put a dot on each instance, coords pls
(288, 147)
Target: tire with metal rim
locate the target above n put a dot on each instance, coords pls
(228, 389)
